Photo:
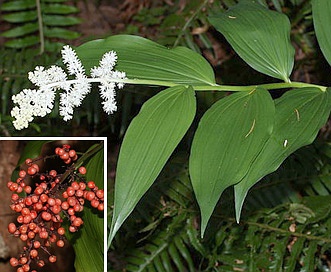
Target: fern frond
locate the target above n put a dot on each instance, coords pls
(38, 21)
(167, 250)
(285, 238)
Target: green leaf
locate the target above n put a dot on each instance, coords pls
(20, 30)
(89, 246)
(23, 42)
(59, 20)
(229, 137)
(20, 17)
(59, 9)
(18, 5)
(321, 16)
(61, 33)
(143, 59)
(260, 36)
(147, 145)
(300, 114)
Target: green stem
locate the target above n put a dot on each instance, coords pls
(41, 27)
(216, 87)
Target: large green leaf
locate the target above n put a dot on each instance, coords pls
(143, 59)
(322, 21)
(229, 137)
(300, 114)
(148, 143)
(89, 246)
(260, 36)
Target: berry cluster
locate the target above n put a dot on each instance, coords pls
(41, 212)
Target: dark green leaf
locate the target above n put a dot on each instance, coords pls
(59, 9)
(23, 42)
(20, 30)
(322, 21)
(18, 5)
(143, 59)
(148, 143)
(60, 33)
(89, 246)
(260, 36)
(299, 115)
(58, 20)
(20, 17)
(229, 137)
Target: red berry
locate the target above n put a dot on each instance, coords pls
(32, 171)
(72, 229)
(65, 156)
(56, 209)
(26, 267)
(68, 161)
(11, 228)
(82, 170)
(60, 151)
(65, 205)
(99, 194)
(95, 203)
(24, 237)
(90, 196)
(13, 187)
(101, 207)
(36, 244)
(72, 153)
(13, 262)
(40, 263)
(70, 191)
(91, 184)
(20, 219)
(23, 260)
(53, 173)
(9, 183)
(60, 243)
(22, 174)
(14, 197)
(28, 189)
(39, 190)
(52, 259)
(61, 231)
(43, 198)
(51, 201)
(82, 186)
(75, 185)
(25, 211)
(31, 234)
(43, 234)
(28, 162)
(33, 253)
(46, 216)
(66, 146)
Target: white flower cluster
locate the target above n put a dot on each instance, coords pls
(39, 102)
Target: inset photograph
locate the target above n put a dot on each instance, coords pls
(52, 204)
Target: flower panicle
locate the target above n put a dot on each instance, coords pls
(39, 102)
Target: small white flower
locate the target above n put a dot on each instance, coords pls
(39, 102)
(73, 63)
(108, 80)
